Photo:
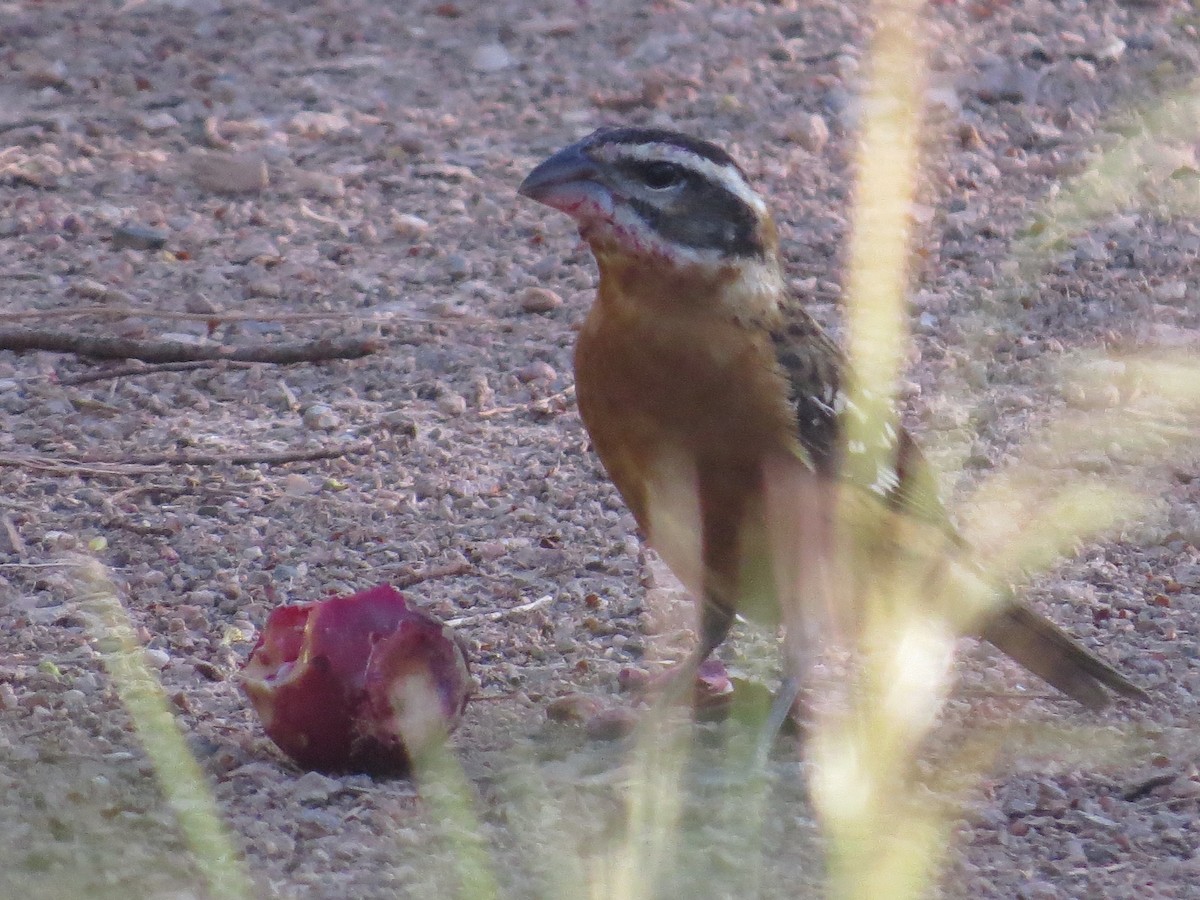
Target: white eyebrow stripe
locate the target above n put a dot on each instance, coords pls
(726, 176)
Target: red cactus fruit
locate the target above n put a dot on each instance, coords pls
(361, 683)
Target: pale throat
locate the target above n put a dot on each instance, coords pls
(746, 291)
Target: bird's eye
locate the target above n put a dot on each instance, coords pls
(662, 175)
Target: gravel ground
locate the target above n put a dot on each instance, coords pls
(290, 171)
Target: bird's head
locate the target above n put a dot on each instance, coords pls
(657, 195)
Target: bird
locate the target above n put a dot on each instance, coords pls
(722, 412)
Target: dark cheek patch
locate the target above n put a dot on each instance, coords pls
(705, 217)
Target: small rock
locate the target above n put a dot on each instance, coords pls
(810, 132)
(631, 680)
(313, 124)
(155, 658)
(313, 787)
(43, 73)
(298, 485)
(255, 248)
(1038, 890)
(458, 266)
(158, 123)
(1110, 51)
(400, 422)
(73, 225)
(90, 289)
(230, 173)
(536, 371)
(264, 287)
(198, 304)
(969, 137)
(611, 724)
(138, 237)
(8, 697)
(943, 99)
(452, 404)
(319, 184)
(1171, 290)
(409, 226)
(573, 709)
(88, 683)
(1097, 386)
(491, 58)
(1090, 250)
(320, 417)
(1007, 80)
(540, 300)
(563, 27)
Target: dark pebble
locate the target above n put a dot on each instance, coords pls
(138, 237)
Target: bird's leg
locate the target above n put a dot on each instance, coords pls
(676, 684)
(799, 505)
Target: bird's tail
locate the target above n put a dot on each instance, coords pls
(1039, 646)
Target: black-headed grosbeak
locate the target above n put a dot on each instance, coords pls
(702, 383)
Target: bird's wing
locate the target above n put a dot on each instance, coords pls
(884, 459)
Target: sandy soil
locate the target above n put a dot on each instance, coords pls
(349, 169)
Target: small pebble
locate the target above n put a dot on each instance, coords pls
(199, 304)
(406, 225)
(230, 173)
(573, 709)
(155, 658)
(313, 787)
(158, 123)
(458, 265)
(631, 680)
(536, 371)
(138, 237)
(321, 185)
(611, 724)
(400, 422)
(491, 58)
(540, 300)
(811, 132)
(320, 417)
(452, 404)
(312, 124)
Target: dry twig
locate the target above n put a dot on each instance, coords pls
(429, 573)
(105, 347)
(499, 614)
(223, 317)
(149, 465)
(142, 369)
(541, 404)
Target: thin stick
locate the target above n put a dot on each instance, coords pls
(149, 465)
(249, 459)
(103, 347)
(531, 405)
(499, 614)
(133, 312)
(429, 573)
(15, 541)
(142, 369)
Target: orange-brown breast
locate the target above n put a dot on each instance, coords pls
(683, 405)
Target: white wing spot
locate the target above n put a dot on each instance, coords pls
(886, 480)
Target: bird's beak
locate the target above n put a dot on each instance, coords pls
(569, 181)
